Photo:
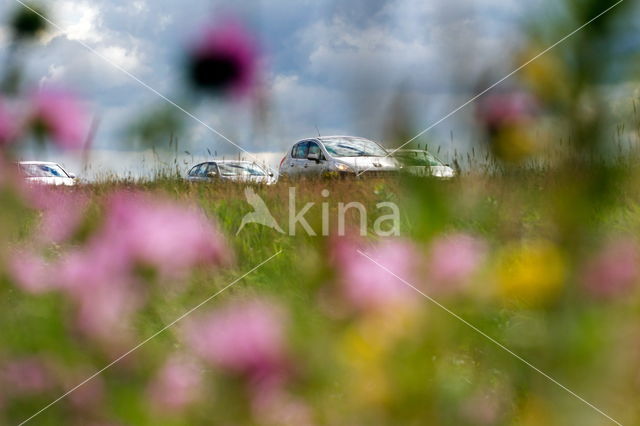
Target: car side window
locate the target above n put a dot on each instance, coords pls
(314, 148)
(195, 171)
(211, 167)
(300, 150)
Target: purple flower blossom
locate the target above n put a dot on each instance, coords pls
(161, 234)
(246, 338)
(275, 406)
(498, 110)
(26, 376)
(224, 59)
(99, 282)
(453, 259)
(614, 271)
(100, 277)
(30, 272)
(60, 115)
(367, 287)
(177, 384)
(9, 128)
(62, 211)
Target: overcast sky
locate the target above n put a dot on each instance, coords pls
(347, 67)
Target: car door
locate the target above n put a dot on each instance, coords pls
(313, 167)
(298, 158)
(194, 173)
(210, 172)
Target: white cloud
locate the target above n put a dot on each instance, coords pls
(79, 20)
(127, 59)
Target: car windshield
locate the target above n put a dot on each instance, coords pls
(42, 170)
(240, 169)
(418, 158)
(352, 147)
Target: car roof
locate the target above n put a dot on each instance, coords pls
(325, 138)
(227, 161)
(38, 162)
(322, 138)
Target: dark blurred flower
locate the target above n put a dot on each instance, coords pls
(26, 376)
(614, 271)
(224, 60)
(453, 259)
(245, 338)
(9, 128)
(507, 119)
(177, 385)
(60, 115)
(366, 286)
(498, 110)
(28, 22)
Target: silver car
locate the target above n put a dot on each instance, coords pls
(419, 162)
(338, 155)
(46, 173)
(230, 170)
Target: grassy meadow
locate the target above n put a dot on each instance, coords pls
(358, 366)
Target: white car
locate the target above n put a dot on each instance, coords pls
(46, 173)
(338, 155)
(419, 162)
(230, 170)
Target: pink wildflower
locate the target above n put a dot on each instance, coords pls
(275, 406)
(224, 60)
(162, 234)
(177, 384)
(365, 285)
(613, 271)
(30, 272)
(26, 376)
(62, 211)
(97, 280)
(498, 110)
(88, 397)
(9, 127)
(61, 116)
(245, 338)
(453, 259)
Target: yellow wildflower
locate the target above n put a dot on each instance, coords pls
(530, 273)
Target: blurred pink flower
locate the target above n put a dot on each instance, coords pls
(365, 285)
(453, 259)
(162, 234)
(98, 281)
(88, 397)
(614, 271)
(61, 116)
(62, 210)
(26, 376)
(245, 338)
(224, 59)
(30, 272)
(500, 109)
(276, 407)
(483, 408)
(104, 312)
(177, 385)
(9, 127)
